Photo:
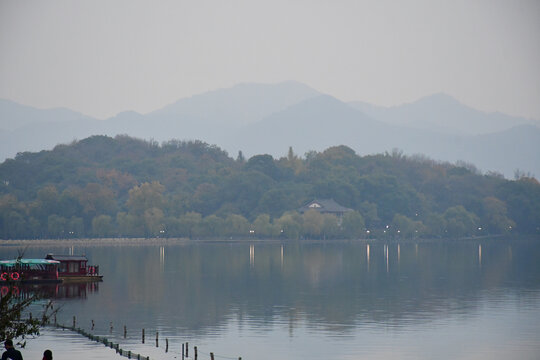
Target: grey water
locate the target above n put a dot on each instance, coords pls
(474, 299)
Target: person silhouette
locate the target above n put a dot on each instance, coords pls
(11, 353)
(47, 355)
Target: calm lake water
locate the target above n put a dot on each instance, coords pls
(335, 300)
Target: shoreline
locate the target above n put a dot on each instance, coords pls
(95, 241)
(184, 241)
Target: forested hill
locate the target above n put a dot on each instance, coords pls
(107, 187)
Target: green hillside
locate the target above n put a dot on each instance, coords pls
(108, 187)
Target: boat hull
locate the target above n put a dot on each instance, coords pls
(81, 278)
(32, 281)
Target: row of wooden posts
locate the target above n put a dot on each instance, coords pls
(129, 354)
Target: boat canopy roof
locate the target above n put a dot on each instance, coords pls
(66, 257)
(28, 262)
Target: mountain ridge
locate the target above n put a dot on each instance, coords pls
(444, 113)
(268, 118)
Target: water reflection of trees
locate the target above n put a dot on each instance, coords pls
(332, 285)
(54, 290)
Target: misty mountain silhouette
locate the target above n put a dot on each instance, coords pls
(268, 118)
(441, 112)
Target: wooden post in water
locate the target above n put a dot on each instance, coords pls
(182, 351)
(74, 321)
(111, 327)
(187, 350)
(125, 331)
(166, 345)
(93, 324)
(195, 349)
(211, 356)
(157, 338)
(143, 336)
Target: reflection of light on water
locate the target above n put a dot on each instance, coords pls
(367, 254)
(282, 255)
(162, 257)
(398, 253)
(251, 255)
(71, 250)
(386, 255)
(416, 249)
(67, 345)
(291, 322)
(480, 255)
(385, 312)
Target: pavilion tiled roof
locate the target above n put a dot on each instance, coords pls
(324, 206)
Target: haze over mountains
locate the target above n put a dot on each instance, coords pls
(263, 118)
(442, 113)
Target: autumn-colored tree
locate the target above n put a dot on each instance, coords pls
(263, 227)
(460, 222)
(145, 196)
(435, 225)
(212, 226)
(129, 225)
(97, 199)
(75, 227)
(102, 226)
(353, 225)
(153, 221)
(289, 225)
(119, 181)
(313, 223)
(56, 226)
(402, 226)
(189, 224)
(331, 226)
(495, 216)
(236, 225)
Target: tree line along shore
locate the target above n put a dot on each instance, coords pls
(103, 187)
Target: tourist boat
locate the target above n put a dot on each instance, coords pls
(29, 270)
(75, 268)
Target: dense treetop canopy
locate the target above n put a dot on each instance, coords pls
(107, 187)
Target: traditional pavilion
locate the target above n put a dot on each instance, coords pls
(325, 206)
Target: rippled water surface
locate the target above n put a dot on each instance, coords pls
(339, 300)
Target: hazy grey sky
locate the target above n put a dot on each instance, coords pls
(102, 57)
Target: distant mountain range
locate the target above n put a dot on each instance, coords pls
(263, 118)
(442, 113)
